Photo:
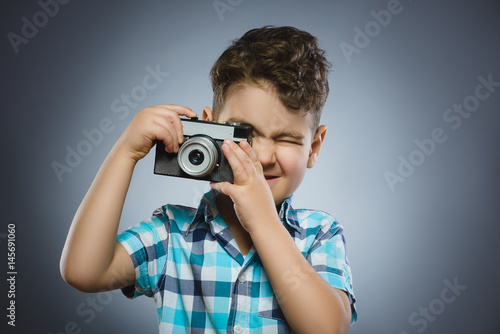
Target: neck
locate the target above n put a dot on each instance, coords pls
(225, 206)
(226, 209)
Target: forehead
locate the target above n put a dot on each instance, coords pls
(262, 108)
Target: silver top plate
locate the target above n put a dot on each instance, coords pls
(211, 129)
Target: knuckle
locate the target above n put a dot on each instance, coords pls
(239, 170)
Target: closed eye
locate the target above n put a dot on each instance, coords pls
(289, 137)
(289, 141)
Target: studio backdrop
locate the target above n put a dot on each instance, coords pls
(410, 165)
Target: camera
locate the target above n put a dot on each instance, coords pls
(200, 154)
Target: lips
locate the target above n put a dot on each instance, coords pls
(271, 178)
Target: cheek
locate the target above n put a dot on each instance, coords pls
(293, 162)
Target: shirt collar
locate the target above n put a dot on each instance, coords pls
(288, 214)
(207, 211)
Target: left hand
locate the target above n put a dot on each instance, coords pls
(250, 193)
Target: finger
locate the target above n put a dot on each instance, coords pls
(223, 187)
(173, 118)
(171, 124)
(245, 146)
(239, 171)
(165, 132)
(244, 158)
(180, 110)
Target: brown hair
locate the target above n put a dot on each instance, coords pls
(287, 58)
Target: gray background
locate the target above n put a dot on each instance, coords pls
(440, 224)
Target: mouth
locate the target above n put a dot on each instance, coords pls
(271, 178)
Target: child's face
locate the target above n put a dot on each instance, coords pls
(282, 138)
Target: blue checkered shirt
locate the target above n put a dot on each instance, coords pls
(188, 260)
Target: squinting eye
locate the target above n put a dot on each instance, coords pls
(290, 142)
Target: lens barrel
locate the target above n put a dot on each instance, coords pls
(198, 156)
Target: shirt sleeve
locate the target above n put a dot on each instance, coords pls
(328, 258)
(147, 244)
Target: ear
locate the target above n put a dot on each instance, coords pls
(207, 114)
(318, 139)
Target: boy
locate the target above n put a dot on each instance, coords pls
(244, 260)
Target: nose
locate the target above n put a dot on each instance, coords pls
(265, 151)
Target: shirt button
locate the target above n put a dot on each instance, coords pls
(238, 329)
(242, 278)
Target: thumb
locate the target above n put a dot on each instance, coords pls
(223, 187)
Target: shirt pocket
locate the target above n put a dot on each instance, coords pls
(268, 303)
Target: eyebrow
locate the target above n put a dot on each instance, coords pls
(285, 134)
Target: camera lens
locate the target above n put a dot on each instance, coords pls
(196, 157)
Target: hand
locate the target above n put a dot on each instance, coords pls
(160, 122)
(250, 193)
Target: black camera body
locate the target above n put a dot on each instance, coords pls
(200, 155)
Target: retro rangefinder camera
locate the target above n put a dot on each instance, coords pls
(200, 154)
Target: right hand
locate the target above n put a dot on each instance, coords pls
(160, 122)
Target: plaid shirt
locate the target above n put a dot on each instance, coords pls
(188, 260)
